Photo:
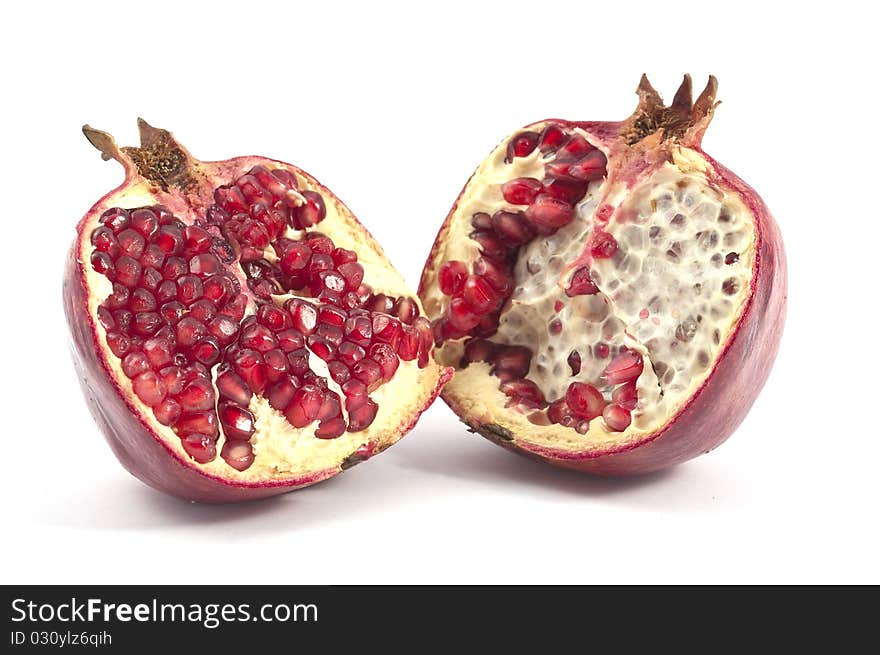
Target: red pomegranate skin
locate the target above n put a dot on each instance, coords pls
(717, 408)
(139, 450)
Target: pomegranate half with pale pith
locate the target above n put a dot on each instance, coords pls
(611, 297)
(237, 332)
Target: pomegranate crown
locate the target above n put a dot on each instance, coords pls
(684, 120)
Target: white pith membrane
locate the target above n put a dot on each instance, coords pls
(282, 451)
(668, 293)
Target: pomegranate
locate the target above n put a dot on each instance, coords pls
(237, 332)
(611, 297)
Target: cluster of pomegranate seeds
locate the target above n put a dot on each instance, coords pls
(479, 293)
(177, 312)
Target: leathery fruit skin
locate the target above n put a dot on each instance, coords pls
(262, 454)
(676, 356)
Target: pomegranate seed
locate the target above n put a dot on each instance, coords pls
(257, 337)
(298, 361)
(380, 303)
(551, 138)
(295, 258)
(494, 274)
(172, 378)
(196, 240)
(276, 364)
(481, 221)
(350, 353)
(196, 396)
(167, 412)
(384, 355)
(188, 331)
(198, 423)
(601, 350)
(524, 392)
(145, 222)
(207, 351)
(574, 362)
(237, 422)
(521, 190)
(174, 267)
(105, 241)
(118, 343)
(218, 289)
(309, 213)
(490, 245)
(230, 198)
(566, 190)
(343, 256)
(479, 294)
(321, 347)
(189, 289)
(289, 340)
(585, 400)
(149, 388)
(603, 245)
(123, 319)
(359, 330)
(159, 351)
(273, 317)
(354, 389)
(303, 315)
(513, 361)
(478, 350)
(201, 447)
(232, 387)
(116, 219)
(617, 418)
(426, 339)
(119, 297)
(368, 372)
(252, 190)
(361, 412)
(575, 147)
(581, 284)
(128, 270)
(131, 243)
(150, 279)
(319, 243)
(387, 329)
(238, 454)
(249, 365)
(172, 312)
(329, 315)
(204, 265)
(408, 348)
(146, 323)
(331, 333)
(170, 240)
(330, 429)
(330, 407)
(203, 310)
(142, 301)
(135, 363)
(451, 277)
(281, 393)
(462, 316)
(106, 318)
(521, 145)
(591, 167)
(547, 212)
(623, 368)
(512, 227)
(626, 395)
(304, 406)
(235, 308)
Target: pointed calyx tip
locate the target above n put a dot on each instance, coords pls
(684, 120)
(159, 158)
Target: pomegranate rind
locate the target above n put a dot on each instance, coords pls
(715, 408)
(149, 450)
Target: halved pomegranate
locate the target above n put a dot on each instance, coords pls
(237, 332)
(610, 296)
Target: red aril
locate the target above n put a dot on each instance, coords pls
(202, 297)
(640, 291)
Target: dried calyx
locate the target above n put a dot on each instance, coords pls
(247, 320)
(590, 282)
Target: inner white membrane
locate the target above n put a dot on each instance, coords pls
(672, 291)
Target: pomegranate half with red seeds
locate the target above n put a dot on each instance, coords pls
(237, 332)
(610, 296)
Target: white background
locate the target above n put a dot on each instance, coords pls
(393, 106)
